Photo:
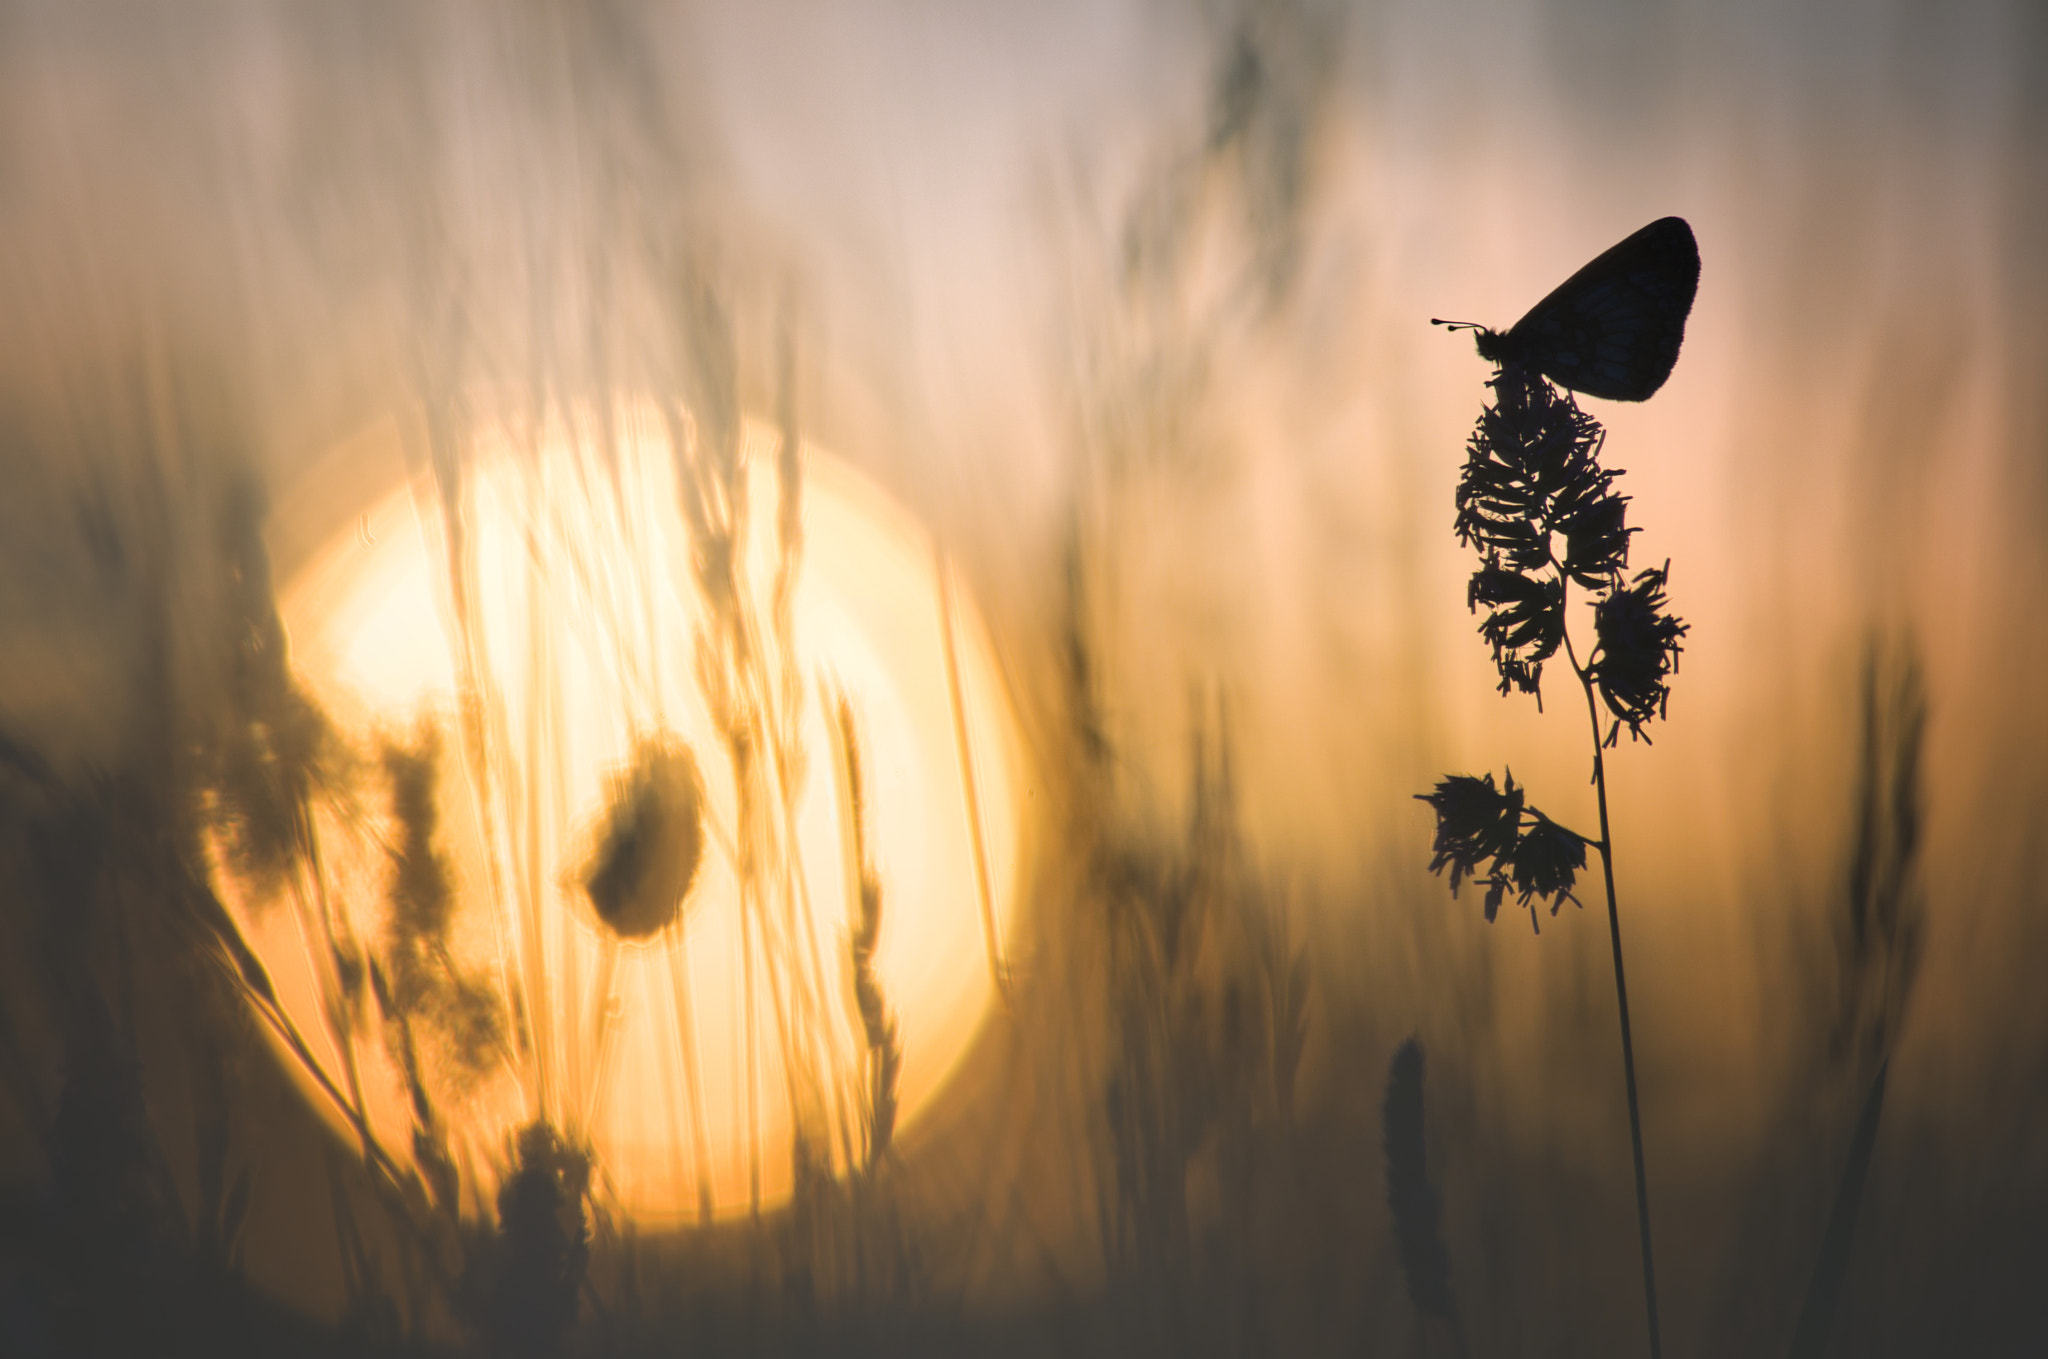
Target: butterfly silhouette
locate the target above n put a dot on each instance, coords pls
(1612, 329)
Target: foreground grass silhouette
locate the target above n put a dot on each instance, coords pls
(1544, 516)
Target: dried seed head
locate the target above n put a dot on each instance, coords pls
(651, 842)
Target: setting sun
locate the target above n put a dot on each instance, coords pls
(626, 729)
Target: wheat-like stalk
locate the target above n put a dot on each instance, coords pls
(1413, 1203)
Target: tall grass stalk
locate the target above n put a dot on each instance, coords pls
(882, 1063)
(1532, 483)
(1831, 1269)
(1412, 1201)
(970, 788)
(753, 691)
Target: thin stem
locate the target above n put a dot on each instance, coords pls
(1628, 1050)
(970, 789)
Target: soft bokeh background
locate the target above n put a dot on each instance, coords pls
(1128, 304)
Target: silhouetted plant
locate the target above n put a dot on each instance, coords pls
(1530, 853)
(1880, 941)
(653, 840)
(883, 1063)
(542, 1248)
(268, 747)
(419, 977)
(1412, 1201)
(1544, 516)
(1878, 944)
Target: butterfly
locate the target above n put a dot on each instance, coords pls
(1612, 329)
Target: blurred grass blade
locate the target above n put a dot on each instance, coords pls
(1824, 1294)
(1412, 1201)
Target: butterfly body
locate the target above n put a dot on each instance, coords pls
(1613, 329)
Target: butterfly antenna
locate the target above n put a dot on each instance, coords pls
(1457, 325)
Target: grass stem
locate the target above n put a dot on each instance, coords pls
(1628, 1049)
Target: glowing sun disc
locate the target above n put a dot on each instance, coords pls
(530, 663)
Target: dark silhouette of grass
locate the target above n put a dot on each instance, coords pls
(739, 1298)
(1544, 516)
(1412, 1200)
(1854, 967)
(884, 1061)
(1206, 1006)
(419, 980)
(535, 1266)
(272, 746)
(652, 841)
(1879, 938)
(1882, 930)
(1824, 1294)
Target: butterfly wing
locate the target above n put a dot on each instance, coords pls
(1613, 329)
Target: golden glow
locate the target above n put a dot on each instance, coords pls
(557, 573)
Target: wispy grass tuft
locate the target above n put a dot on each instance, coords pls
(1883, 926)
(883, 1063)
